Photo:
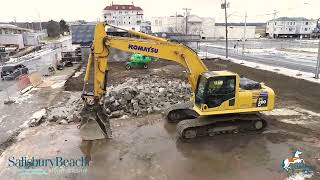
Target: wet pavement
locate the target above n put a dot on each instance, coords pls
(148, 148)
(14, 116)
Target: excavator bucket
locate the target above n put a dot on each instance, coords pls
(95, 124)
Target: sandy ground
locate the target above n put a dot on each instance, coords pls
(148, 147)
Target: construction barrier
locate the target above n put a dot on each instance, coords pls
(23, 82)
(35, 79)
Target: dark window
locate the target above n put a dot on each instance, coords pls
(200, 90)
(220, 89)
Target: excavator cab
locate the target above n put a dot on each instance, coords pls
(213, 90)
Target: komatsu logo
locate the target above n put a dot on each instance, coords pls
(142, 48)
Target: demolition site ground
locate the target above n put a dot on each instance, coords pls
(145, 146)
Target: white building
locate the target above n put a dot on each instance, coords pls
(290, 27)
(203, 26)
(125, 16)
(235, 31)
(21, 37)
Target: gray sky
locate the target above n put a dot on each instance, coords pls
(31, 10)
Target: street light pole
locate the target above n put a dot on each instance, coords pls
(226, 23)
(318, 62)
(244, 33)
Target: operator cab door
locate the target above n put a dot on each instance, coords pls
(217, 93)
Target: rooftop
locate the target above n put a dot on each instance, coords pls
(240, 24)
(291, 19)
(119, 7)
(11, 26)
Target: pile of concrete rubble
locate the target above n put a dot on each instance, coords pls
(62, 113)
(145, 95)
(136, 96)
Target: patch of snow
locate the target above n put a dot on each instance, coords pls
(295, 121)
(58, 85)
(77, 74)
(299, 176)
(39, 114)
(2, 117)
(279, 70)
(22, 98)
(313, 50)
(282, 112)
(304, 111)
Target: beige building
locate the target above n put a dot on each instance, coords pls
(203, 26)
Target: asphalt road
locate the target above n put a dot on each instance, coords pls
(305, 63)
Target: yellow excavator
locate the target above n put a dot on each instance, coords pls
(222, 101)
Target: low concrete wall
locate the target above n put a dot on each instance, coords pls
(30, 39)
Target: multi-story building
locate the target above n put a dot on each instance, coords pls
(203, 26)
(290, 27)
(126, 16)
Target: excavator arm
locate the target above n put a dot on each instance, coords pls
(149, 46)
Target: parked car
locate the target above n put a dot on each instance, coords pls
(12, 71)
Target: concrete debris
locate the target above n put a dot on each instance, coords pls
(37, 117)
(67, 112)
(9, 101)
(145, 96)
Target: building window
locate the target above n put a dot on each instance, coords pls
(305, 29)
(275, 23)
(129, 23)
(138, 22)
(307, 23)
(290, 29)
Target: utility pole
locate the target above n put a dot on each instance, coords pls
(273, 21)
(176, 22)
(244, 34)
(318, 61)
(40, 24)
(186, 9)
(226, 23)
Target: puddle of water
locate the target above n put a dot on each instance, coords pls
(155, 151)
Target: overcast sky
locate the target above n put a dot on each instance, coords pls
(90, 10)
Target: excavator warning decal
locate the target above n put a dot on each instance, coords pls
(262, 100)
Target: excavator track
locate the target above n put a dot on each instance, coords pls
(220, 124)
(179, 112)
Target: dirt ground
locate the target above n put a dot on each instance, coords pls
(291, 95)
(289, 91)
(148, 148)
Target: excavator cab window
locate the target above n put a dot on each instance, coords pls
(200, 90)
(215, 90)
(219, 90)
